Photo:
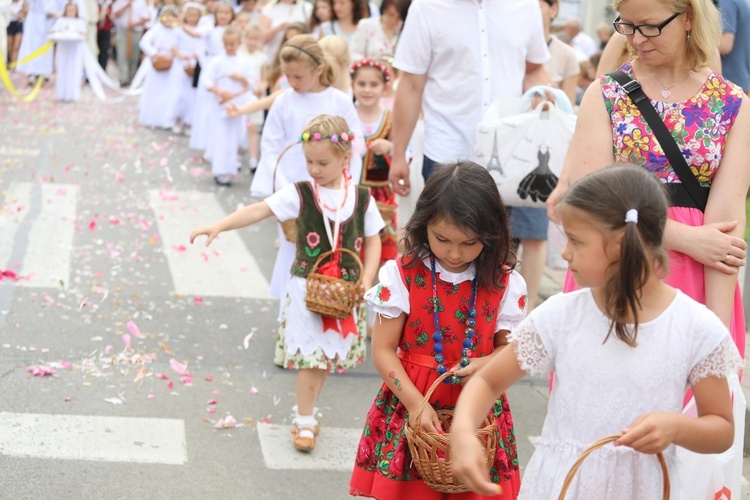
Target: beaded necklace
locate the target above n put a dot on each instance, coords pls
(469, 333)
(343, 201)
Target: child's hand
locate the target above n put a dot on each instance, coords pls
(429, 421)
(380, 146)
(468, 462)
(650, 433)
(236, 76)
(225, 95)
(210, 231)
(475, 364)
(232, 110)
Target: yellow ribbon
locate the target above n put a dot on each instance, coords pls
(38, 52)
(9, 84)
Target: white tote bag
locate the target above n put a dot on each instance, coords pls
(718, 476)
(525, 153)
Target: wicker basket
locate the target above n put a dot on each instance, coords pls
(334, 297)
(596, 446)
(387, 210)
(429, 450)
(290, 230)
(161, 62)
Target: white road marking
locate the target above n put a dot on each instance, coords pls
(86, 437)
(41, 219)
(225, 269)
(335, 448)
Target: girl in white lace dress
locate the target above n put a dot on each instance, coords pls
(624, 351)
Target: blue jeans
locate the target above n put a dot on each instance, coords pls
(427, 167)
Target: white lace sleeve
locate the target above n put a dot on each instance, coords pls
(389, 297)
(530, 351)
(721, 362)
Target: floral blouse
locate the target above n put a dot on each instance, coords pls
(699, 126)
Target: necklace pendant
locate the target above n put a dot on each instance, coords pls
(666, 93)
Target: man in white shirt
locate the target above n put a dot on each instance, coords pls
(578, 39)
(129, 17)
(456, 58)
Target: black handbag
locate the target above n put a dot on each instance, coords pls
(691, 193)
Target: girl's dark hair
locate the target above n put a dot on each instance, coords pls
(360, 10)
(402, 6)
(463, 194)
(606, 196)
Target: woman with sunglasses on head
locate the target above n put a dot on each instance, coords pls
(671, 44)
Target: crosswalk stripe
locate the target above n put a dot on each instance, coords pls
(335, 449)
(37, 224)
(86, 437)
(226, 269)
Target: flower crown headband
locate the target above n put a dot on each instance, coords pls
(369, 63)
(317, 136)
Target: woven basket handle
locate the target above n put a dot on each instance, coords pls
(426, 400)
(278, 160)
(345, 250)
(588, 451)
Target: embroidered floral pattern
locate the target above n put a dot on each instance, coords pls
(384, 294)
(522, 302)
(358, 244)
(698, 125)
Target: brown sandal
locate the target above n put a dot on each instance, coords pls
(304, 443)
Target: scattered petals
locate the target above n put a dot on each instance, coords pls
(253, 390)
(40, 371)
(180, 368)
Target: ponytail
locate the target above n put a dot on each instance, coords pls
(329, 75)
(633, 201)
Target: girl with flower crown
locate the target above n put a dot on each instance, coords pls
(330, 212)
(447, 305)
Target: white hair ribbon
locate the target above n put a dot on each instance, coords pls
(631, 216)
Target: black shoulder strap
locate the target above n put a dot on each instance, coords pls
(667, 142)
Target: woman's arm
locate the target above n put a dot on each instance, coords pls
(474, 402)
(590, 148)
(726, 202)
(711, 432)
(245, 216)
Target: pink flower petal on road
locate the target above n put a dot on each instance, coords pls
(126, 341)
(133, 328)
(179, 248)
(209, 378)
(170, 385)
(197, 300)
(186, 380)
(92, 225)
(228, 422)
(210, 410)
(253, 390)
(212, 402)
(40, 371)
(180, 368)
(140, 375)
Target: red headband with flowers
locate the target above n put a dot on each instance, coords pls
(369, 63)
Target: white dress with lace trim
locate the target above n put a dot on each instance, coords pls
(602, 387)
(510, 313)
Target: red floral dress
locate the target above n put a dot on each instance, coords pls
(383, 467)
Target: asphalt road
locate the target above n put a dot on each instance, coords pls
(152, 341)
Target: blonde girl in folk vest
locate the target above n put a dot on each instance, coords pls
(329, 207)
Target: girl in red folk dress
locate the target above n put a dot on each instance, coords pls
(447, 304)
(370, 79)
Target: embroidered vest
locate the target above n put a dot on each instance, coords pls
(375, 168)
(311, 233)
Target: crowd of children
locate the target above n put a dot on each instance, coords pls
(306, 88)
